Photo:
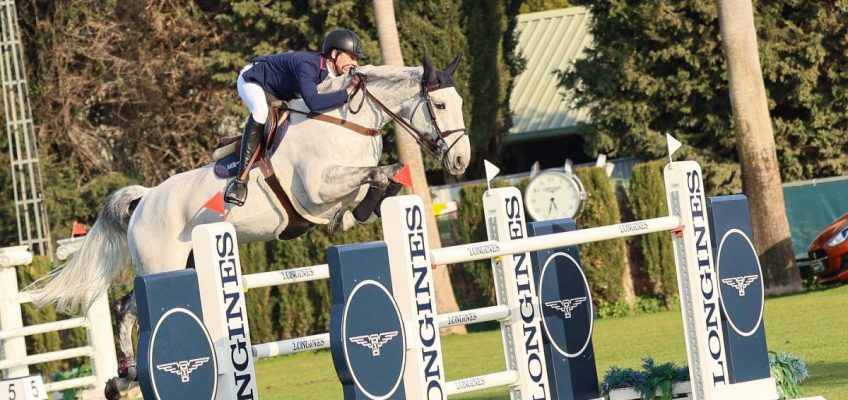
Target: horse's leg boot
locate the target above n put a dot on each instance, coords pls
(369, 204)
(236, 191)
(392, 190)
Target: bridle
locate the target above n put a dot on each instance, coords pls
(435, 143)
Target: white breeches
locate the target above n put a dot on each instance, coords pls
(253, 97)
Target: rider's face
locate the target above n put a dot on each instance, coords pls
(345, 62)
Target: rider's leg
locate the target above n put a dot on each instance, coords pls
(236, 191)
(253, 97)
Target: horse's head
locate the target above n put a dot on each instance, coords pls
(436, 115)
(422, 101)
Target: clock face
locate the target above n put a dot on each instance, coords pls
(552, 195)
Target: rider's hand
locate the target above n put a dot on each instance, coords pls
(353, 84)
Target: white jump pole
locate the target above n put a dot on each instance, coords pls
(286, 276)
(322, 340)
(494, 248)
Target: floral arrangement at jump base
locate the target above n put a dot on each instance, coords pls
(668, 381)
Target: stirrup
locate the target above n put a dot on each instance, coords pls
(236, 192)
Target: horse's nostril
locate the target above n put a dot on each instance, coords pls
(458, 160)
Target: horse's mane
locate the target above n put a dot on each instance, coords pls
(379, 76)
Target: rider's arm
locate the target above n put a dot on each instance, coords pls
(308, 90)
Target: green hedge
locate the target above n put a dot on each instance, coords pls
(472, 282)
(603, 262)
(648, 200)
(299, 309)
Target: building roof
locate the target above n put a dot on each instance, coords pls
(548, 41)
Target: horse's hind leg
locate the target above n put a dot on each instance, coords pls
(125, 318)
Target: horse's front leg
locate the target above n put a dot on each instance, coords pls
(379, 179)
(340, 181)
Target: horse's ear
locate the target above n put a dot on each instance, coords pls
(429, 71)
(452, 67)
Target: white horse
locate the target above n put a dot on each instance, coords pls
(323, 168)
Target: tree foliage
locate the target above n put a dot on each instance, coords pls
(493, 64)
(658, 67)
(134, 91)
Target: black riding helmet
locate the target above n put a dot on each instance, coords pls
(344, 40)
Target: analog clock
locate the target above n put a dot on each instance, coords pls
(553, 195)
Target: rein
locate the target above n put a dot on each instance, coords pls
(438, 147)
(338, 121)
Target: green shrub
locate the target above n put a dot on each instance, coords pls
(472, 281)
(79, 372)
(647, 200)
(302, 308)
(642, 305)
(648, 381)
(602, 261)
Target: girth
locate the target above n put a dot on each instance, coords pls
(296, 225)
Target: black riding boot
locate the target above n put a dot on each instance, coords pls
(236, 191)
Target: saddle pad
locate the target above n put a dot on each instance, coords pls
(227, 167)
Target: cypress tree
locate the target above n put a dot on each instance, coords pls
(494, 63)
(658, 67)
(647, 200)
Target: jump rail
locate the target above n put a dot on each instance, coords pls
(385, 322)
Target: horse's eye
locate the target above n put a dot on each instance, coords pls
(440, 106)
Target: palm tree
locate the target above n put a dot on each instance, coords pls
(410, 154)
(755, 145)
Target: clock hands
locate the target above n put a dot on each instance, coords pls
(552, 207)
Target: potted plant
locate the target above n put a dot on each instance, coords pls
(663, 381)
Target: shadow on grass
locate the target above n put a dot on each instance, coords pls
(827, 374)
(807, 290)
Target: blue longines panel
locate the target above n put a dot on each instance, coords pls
(566, 304)
(176, 356)
(366, 329)
(741, 287)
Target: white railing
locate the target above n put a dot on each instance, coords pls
(14, 360)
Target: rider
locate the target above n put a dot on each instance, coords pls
(286, 76)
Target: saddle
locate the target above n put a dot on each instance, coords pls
(226, 156)
(274, 132)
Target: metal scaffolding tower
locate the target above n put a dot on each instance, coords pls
(33, 226)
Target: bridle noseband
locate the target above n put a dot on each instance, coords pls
(435, 145)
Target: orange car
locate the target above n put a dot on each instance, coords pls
(829, 252)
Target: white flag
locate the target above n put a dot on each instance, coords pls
(491, 170)
(673, 144)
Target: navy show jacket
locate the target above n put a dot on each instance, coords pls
(295, 74)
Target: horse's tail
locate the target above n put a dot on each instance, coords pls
(91, 270)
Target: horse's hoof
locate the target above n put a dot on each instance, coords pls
(118, 387)
(132, 373)
(112, 392)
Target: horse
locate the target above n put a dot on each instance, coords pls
(323, 167)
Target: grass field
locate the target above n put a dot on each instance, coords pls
(811, 325)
